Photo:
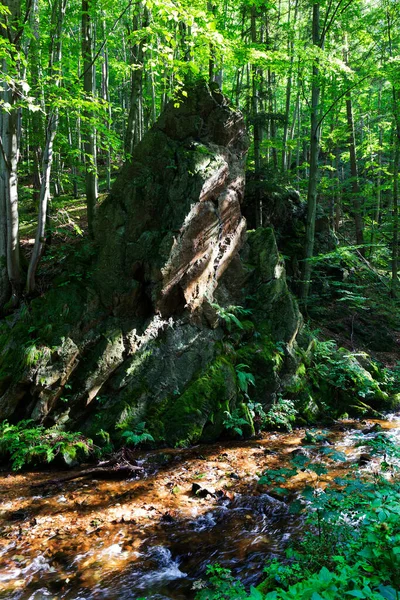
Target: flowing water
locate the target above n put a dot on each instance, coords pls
(152, 537)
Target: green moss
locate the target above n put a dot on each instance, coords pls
(182, 420)
(331, 381)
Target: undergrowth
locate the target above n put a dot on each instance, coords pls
(30, 444)
(350, 547)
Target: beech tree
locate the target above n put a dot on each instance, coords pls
(11, 31)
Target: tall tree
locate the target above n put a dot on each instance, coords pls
(11, 31)
(57, 20)
(89, 85)
(318, 41)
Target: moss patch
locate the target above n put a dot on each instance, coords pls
(182, 420)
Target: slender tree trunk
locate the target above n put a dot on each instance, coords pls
(134, 124)
(395, 198)
(58, 14)
(11, 185)
(4, 281)
(36, 116)
(355, 184)
(296, 115)
(10, 148)
(74, 169)
(43, 203)
(105, 92)
(338, 195)
(285, 153)
(395, 219)
(377, 216)
(314, 154)
(90, 132)
(358, 220)
(256, 125)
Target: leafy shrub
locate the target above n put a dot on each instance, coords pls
(281, 415)
(244, 378)
(234, 421)
(350, 547)
(138, 435)
(221, 585)
(341, 370)
(27, 443)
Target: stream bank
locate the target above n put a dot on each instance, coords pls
(152, 537)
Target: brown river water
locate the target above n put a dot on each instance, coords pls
(151, 537)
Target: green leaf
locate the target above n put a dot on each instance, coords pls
(325, 575)
(388, 592)
(255, 594)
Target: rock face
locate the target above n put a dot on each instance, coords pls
(173, 223)
(146, 335)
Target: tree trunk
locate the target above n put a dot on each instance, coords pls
(355, 184)
(4, 281)
(133, 128)
(36, 117)
(105, 92)
(90, 132)
(358, 220)
(10, 150)
(314, 154)
(11, 187)
(51, 130)
(395, 219)
(256, 125)
(285, 153)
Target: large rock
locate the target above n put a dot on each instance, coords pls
(142, 339)
(173, 221)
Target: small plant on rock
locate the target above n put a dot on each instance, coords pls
(234, 421)
(138, 435)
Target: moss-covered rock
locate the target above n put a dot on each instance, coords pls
(199, 412)
(265, 360)
(332, 381)
(275, 310)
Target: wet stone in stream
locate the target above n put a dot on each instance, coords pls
(153, 537)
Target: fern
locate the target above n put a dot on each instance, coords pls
(229, 315)
(244, 378)
(234, 421)
(27, 443)
(139, 435)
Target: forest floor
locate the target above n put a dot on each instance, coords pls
(68, 227)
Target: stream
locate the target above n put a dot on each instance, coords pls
(152, 537)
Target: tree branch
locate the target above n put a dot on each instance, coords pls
(104, 42)
(346, 91)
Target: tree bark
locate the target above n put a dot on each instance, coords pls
(4, 281)
(58, 14)
(395, 219)
(10, 150)
(256, 124)
(285, 153)
(133, 128)
(89, 132)
(314, 154)
(355, 184)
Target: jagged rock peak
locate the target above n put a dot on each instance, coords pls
(173, 222)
